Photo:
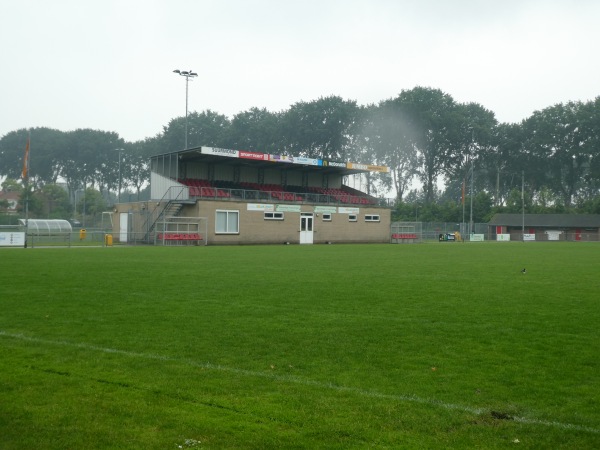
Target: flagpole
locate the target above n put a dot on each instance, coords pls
(25, 176)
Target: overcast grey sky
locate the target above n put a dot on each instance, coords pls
(107, 64)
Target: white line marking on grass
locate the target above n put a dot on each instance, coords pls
(302, 381)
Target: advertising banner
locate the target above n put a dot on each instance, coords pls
(12, 239)
(348, 210)
(476, 238)
(368, 167)
(307, 161)
(529, 237)
(333, 164)
(261, 207)
(254, 155)
(287, 208)
(281, 158)
(220, 152)
(553, 235)
(503, 237)
(326, 209)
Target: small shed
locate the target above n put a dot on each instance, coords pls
(545, 227)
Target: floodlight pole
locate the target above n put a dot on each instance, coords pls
(187, 74)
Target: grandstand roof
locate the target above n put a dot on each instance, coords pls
(268, 160)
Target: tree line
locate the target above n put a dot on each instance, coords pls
(426, 138)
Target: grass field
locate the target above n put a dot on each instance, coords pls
(441, 345)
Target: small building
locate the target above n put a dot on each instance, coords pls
(12, 201)
(545, 227)
(224, 196)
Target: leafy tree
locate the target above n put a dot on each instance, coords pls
(556, 140)
(255, 130)
(136, 164)
(507, 160)
(321, 128)
(206, 128)
(389, 133)
(92, 203)
(435, 117)
(475, 150)
(54, 202)
(11, 185)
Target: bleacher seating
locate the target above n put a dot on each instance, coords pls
(179, 237)
(222, 189)
(402, 236)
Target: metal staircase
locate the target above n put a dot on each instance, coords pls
(169, 206)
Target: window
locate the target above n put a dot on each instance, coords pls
(227, 222)
(372, 218)
(326, 217)
(273, 216)
(352, 217)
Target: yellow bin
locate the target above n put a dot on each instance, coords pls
(108, 240)
(82, 234)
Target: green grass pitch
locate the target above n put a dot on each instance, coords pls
(440, 345)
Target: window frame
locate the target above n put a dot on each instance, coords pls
(227, 213)
(274, 215)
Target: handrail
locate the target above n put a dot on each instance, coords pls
(220, 193)
(172, 194)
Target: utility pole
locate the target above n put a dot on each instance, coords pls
(471, 216)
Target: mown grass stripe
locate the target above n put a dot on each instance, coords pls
(301, 381)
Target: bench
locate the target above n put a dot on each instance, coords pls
(179, 237)
(404, 237)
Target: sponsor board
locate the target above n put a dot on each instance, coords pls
(254, 155)
(348, 210)
(12, 239)
(503, 237)
(307, 161)
(261, 207)
(281, 158)
(326, 209)
(333, 164)
(257, 156)
(369, 167)
(287, 208)
(220, 152)
(553, 235)
(529, 237)
(476, 238)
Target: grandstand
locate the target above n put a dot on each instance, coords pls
(223, 196)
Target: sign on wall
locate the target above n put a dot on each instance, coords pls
(261, 207)
(348, 210)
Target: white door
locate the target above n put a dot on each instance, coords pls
(306, 228)
(123, 227)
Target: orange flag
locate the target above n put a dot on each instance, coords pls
(25, 161)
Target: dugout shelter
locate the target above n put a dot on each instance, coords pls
(209, 195)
